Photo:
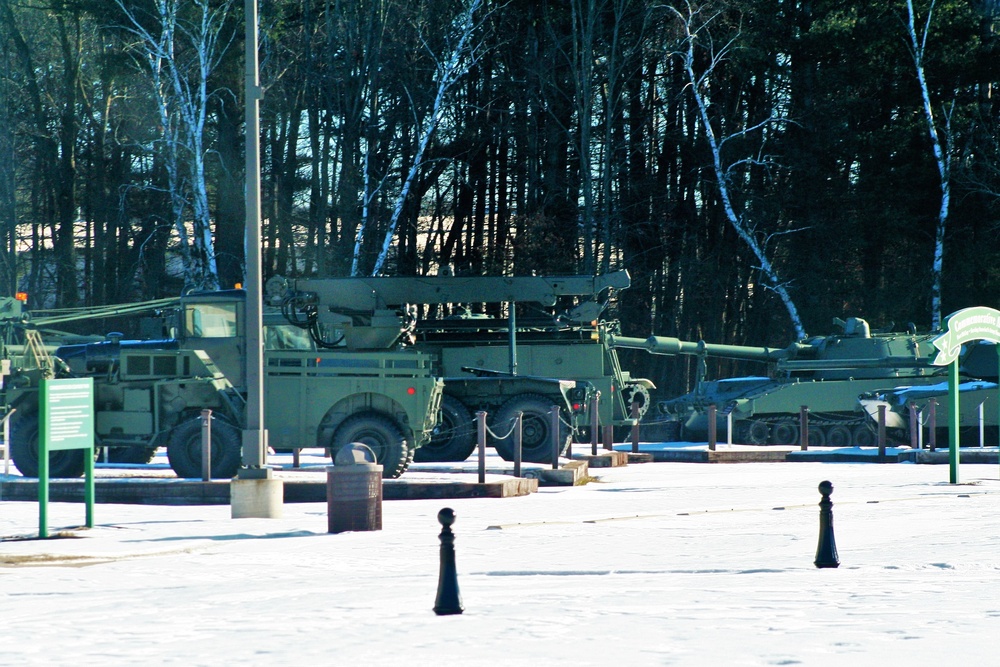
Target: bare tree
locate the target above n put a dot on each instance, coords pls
(698, 45)
(181, 48)
(941, 147)
(449, 70)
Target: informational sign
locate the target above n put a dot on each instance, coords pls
(66, 423)
(961, 327)
(69, 408)
(964, 326)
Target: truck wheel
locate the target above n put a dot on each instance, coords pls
(454, 436)
(536, 433)
(382, 434)
(184, 449)
(24, 434)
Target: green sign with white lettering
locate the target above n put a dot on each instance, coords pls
(964, 326)
(67, 422)
(69, 406)
(961, 327)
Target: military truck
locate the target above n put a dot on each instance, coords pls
(151, 393)
(502, 344)
(824, 373)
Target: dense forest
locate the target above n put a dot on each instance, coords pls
(759, 167)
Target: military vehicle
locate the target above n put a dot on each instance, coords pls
(824, 373)
(978, 407)
(151, 393)
(549, 353)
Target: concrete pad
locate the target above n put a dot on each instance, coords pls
(256, 498)
(308, 489)
(571, 473)
(603, 458)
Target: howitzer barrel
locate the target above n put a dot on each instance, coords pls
(668, 345)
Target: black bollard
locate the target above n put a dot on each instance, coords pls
(448, 601)
(826, 552)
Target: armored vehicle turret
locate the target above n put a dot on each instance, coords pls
(826, 374)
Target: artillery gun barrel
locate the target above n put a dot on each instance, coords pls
(668, 345)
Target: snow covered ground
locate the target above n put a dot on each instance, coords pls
(652, 564)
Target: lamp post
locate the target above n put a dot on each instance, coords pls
(255, 436)
(255, 493)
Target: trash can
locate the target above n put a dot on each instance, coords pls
(354, 491)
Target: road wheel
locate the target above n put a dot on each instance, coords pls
(536, 432)
(817, 437)
(184, 449)
(454, 436)
(838, 436)
(382, 435)
(786, 432)
(862, 436)
(24, 435)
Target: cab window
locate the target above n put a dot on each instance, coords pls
(210, 320)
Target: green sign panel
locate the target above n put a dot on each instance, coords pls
(70, 411)
(67, 422)
(964, 326)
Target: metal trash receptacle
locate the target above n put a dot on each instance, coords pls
(354, 491)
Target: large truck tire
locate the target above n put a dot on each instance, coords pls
(454, 437)
(536, 431)
(24, 435)
(184, 449)
(382, 435)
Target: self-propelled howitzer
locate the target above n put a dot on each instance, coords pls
(825, 374)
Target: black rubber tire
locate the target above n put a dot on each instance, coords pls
(24, 434)
(380, 433)
(454, 437)
(536, 433)
(838, 435)
(184, 449)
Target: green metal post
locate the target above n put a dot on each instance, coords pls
(953, 418)
(43, 487)
(88, 494)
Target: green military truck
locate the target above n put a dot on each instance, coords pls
(151, 393)
(502, 344)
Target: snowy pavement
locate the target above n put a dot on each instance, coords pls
(653, 564)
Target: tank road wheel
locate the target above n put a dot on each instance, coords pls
(184, 449)
(536, 433)
(382, 435)
(786, 432)
(454, 436)
(24, 434)
(862, 436)
(838, 436)
(817, 437)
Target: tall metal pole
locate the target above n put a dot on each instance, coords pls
(255, 436)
